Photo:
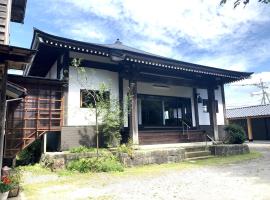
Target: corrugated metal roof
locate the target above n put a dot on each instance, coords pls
(250, 111)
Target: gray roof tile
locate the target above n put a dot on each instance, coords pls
(250, 111)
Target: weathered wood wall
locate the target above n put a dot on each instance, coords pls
(5, 11)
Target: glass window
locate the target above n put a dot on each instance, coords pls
(165, 111)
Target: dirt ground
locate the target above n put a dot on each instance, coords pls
(246, 180)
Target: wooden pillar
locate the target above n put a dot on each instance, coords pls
(249, 127)
(223, 104)
(45, 143)
(195, 100)
(121, 97)
(133, 125)
(3, 108)
(212, 111)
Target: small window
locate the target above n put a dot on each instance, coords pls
(206, 105)
(87, 97)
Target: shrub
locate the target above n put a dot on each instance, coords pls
(236, 134)
(30, 155)
(102, 164)
(81, 149)
(126, 148)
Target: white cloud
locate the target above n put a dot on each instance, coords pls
(171, 24)
(83, 31)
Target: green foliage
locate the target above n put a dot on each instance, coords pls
(126, 148)
(111, 126)
(15, 176)
(81, 149)
(101, 164)
(5, 184)
(236, 134)
(30, 155)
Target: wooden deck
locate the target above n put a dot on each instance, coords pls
(27, 120)
(170, 136)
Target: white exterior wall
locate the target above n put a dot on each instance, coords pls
(78, 116)
(173, 91)
(52, 73)
(204, 116)
(220, 114)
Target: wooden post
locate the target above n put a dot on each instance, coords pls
(3, 108)
(45, 143)
(223, 104)
(212, 111)
(121, 101)
(249, 127)
(133, 125)
(195, 99)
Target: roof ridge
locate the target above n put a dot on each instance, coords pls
(248, 107)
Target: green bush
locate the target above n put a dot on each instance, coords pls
(29, 155)
(126, 148)
(101, 164)
(236, 134)
(81, 149)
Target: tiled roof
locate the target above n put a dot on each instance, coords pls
(250, 111)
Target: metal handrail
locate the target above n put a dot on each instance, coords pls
(185, 124)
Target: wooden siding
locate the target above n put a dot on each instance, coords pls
(39, 112)
(4, 16)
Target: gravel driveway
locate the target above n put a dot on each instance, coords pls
(246, 180)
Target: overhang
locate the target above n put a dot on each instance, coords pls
(129, 56)
(16, 56)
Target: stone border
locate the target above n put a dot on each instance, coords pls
(148, 157)
(229, 149)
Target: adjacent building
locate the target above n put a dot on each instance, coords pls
(254, 119)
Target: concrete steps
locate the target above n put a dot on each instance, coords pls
(197, 153)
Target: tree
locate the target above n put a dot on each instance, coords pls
(106, 107)
(244, 2)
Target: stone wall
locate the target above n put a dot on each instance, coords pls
(229, 149)
(59, 160)
(152, 157)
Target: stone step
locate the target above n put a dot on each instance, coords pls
(197, 154)
(199, 158)
(196, 148)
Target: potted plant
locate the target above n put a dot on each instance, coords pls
(15, 177)
(5, 186)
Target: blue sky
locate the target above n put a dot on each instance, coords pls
(195, 31)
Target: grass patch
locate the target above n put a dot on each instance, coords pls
(222, 160)
(155, 169)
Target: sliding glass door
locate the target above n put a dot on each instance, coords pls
(164, 111)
